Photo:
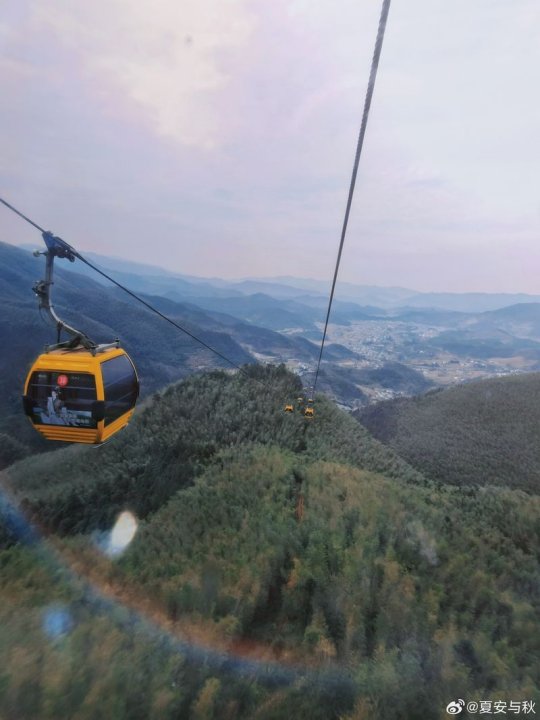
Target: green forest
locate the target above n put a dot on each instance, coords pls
(480, 433)
(282, 568)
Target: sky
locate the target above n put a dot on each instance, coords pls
(216, 137)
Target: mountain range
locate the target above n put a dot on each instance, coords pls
(156, 280)
(162, 353)
(247, 324)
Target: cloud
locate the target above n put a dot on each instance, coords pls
(168, 59)
(221, 129)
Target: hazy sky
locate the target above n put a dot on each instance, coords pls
(216, 137)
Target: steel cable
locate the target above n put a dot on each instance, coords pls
(367, 104)
(135, 296)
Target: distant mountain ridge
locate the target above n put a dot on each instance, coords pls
(470, 302)
(287, 287)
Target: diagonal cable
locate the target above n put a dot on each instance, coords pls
(365, 115)
(131, 293)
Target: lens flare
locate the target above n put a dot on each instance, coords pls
(57, 621)
(122, 533)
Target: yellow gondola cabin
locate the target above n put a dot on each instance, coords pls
(77, 391)
(80, 396)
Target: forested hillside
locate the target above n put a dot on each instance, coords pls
(282, 568)
(481, 433)
(177, 435)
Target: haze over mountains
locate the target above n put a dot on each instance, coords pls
(289, 287)
(402, 346)
(288, 304)
(162, 353)
(444, 337)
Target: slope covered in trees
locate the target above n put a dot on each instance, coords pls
(179, 433)
(282, 568)
(482, 433)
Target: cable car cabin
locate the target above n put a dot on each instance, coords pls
(289, 408)
(309, 412)
(75, 396)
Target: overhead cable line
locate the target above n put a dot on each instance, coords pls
(133, 295)
(365, 115)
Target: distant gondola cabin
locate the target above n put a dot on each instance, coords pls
(77, 396)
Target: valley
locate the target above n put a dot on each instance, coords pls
(375, 352)
(377, 342)
(376, 335)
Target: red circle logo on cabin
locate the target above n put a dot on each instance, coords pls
(62, 380)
